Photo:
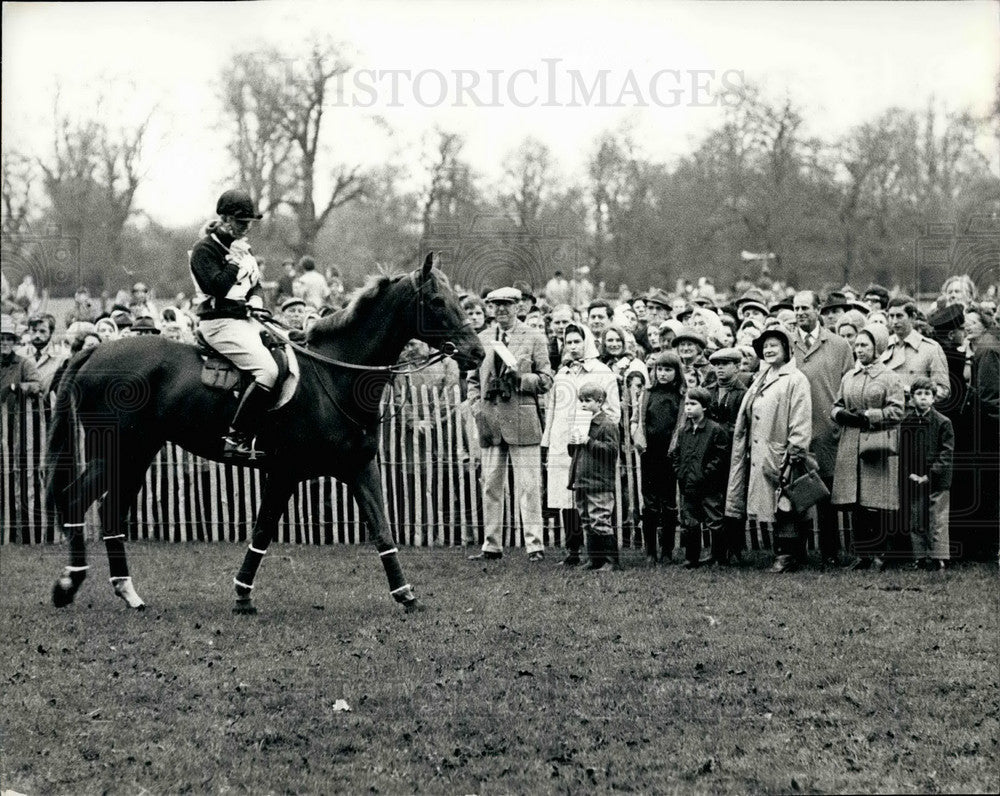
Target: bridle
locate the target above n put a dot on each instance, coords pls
(447, 350)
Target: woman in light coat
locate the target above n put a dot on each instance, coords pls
(774, 423)
(580, 366)
(870, 400)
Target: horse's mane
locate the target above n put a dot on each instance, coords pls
(358, 307)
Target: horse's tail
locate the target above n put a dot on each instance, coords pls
(61, 445)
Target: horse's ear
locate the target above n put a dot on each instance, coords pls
(428, 264)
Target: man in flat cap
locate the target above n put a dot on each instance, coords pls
(503, 396)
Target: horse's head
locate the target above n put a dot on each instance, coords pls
(441, 321)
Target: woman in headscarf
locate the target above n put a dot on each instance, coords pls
(581, 365)
(773, 431)
(871, 399)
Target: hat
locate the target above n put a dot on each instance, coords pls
(853, 318)
(753, 294)
(80, 328)
(784, 304)
(836, 300)
(503, 294)
(864, 309)
(777, 332)
(7, 326)
(291, 302)
(726, 355)
(879, 336)
(684, 314)
(691, 336)
(878, 292)
(657, 296)
(525, 289)
(750, 304)
(122, 319)
(145, 325)
(38, 318)
(948, 318)
(237, 204)
(673, 325)
(139, 286)
(706, 302)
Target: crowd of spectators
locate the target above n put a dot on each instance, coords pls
(790, 378)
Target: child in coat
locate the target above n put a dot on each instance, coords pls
(592, 475)
(653, 436)
(926, 445)
(701, 460)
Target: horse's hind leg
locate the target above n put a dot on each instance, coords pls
(122, 487)
(72, 505)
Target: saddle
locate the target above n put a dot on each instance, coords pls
(219, 373)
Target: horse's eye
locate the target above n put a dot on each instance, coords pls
(437, 303)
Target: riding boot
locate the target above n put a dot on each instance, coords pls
(239, 441)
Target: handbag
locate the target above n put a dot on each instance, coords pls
(875, 446)
(803, 491)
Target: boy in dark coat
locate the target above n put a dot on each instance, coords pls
(926, 445)
(592, 475)
(701, 460)
(726, 399)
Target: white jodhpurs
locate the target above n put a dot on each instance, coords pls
(239, 340)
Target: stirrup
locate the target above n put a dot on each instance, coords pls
(241, 448)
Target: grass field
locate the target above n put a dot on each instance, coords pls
(515, 680)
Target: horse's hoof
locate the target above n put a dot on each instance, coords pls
(63, 593)
(414, 606)
(244, 608)
(123, 588)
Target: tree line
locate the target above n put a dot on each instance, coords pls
(850, 208)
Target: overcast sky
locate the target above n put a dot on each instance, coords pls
(493, 71)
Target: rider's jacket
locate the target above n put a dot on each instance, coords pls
(225, 270)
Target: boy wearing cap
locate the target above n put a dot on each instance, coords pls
(226, 271)
(701, 460)
(726, 400)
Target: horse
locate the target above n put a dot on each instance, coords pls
(133, 395)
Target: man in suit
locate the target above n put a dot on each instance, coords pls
(824, 358)
(504, 400)
(910, 354)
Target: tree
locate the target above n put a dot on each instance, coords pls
(90, 179)
(276, 106)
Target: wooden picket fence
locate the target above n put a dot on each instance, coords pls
(430, 477)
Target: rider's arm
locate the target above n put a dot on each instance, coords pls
(213, 274)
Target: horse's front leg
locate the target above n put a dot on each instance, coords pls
(277, 490)
(367, 490)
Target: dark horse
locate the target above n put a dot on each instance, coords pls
(133, 395)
